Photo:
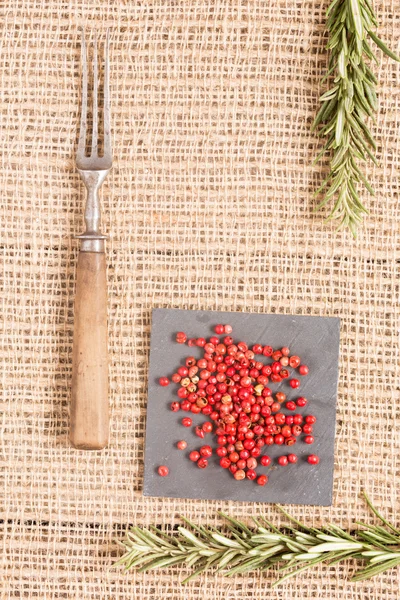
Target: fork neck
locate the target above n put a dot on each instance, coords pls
(92, 240)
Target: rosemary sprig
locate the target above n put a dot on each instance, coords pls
(239, 549)
(346, 107)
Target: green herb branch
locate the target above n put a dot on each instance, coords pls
(346, 107)
(239, 548)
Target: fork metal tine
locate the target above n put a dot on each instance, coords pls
(95, 99)
(107, 136)
(83, 123)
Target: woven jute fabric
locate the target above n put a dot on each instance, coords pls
(208, 206)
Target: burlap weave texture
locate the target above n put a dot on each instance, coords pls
(209, 205)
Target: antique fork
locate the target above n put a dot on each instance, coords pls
(89, 405)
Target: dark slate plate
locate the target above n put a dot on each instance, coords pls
(315, 339)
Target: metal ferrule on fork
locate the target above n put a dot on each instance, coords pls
(92, 240)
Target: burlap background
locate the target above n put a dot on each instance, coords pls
(208, 206)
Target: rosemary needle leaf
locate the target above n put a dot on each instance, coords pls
(382, 46)
(346, 105)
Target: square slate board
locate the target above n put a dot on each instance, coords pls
(314, 339)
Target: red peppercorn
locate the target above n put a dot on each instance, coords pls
(297, 419)
(276, 378)
(275, 406)
(239, 475)
(280, 396)
(202, 463)
(262, 480)
(284, 373)
(265, 461)
(181, 337)
(225, 462)
(186, 405)
(286, 431)
(313, 459)
(296, 430)
(241, 464)
(249, 444)
(204, 374)
(187, 422)
(279, 439)
(214, 341)
(163, 470)
(199, 432)
(195, 409)
(294, 361)
(292, 458)
(309, 439)
(228, 341)
(194, 456)
(283, 461)
(269, 440)
(182, 393)
(251, 463)
(258, 430)
(175, 406)
(233, 457)
(251, 474)
(310, 419)
(301, 401)
(228, 329)
(289, 420)
(267, 351)
(182, 445)
(219, 329)
(233, 468)
(276, 367)
(257, 349)
(303, 370)
(265, 411)
(221, 451)
(255, 452)
(290, 441)
(307, 428)
(206, 451)
(276, 355)
(291, 405)
(285, 351)
(280, 419)
(294, 383)
(207, 427)
(201, 342)
(164, 381)
(176, 378)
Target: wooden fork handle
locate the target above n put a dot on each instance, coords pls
(89, 406)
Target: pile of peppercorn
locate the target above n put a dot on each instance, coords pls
(230, 386)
